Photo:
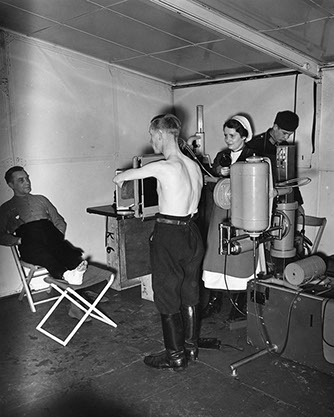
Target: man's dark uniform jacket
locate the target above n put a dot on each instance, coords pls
(263, 147)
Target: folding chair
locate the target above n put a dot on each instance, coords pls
(27, 273)
(312, 221)
(92, 276)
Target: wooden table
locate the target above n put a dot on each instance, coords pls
(127, 245)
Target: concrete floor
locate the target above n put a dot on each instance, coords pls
(101, 371)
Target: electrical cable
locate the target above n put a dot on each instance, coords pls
(229, 293)
(240, 349)
(315, 87)
(184, 146)
(287, 334)
(319, 281)
(295, 104)
(288, 323)
(286, 339)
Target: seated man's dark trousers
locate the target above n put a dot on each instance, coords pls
(43, 244)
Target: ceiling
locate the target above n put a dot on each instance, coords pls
(185, 41)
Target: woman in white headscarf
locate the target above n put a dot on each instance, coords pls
(230, 272)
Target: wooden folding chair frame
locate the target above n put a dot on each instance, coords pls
(67, 291)
(313, 221)
(35, 271)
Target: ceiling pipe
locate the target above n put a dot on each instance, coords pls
(226, 80)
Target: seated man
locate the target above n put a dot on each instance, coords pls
(33, 223)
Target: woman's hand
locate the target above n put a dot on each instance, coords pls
(225, 171)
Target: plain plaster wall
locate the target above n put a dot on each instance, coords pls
(260, 100)
(71, 121)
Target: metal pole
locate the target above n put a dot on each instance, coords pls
(235, 365)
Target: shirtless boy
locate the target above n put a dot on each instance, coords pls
(176, 246)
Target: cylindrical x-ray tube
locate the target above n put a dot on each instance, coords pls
(284, 248)
(250, 208)
(200, 145)
(200, 120)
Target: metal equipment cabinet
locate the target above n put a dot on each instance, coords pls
(298, 323)
(127, 246)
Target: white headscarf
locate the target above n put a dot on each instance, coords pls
(245, 123)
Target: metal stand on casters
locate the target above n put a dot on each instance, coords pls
(234, 366)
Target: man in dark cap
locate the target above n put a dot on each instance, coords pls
(265, 144)
(285, 124)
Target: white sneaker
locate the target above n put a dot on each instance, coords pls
(73, 277)
(82, 267)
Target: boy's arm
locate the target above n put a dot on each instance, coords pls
(154, 169)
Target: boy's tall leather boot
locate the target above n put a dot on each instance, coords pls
(173, 356)
(191, 323)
